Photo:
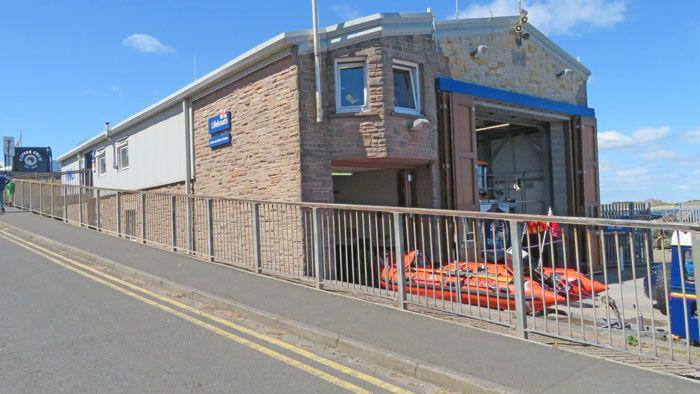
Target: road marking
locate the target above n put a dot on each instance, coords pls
(295, 349)
(269, 352)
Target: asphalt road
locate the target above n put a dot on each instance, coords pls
(60, 331)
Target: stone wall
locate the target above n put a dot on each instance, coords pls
(499, 68)
(378, 137)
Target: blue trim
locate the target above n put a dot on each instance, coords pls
(454, 86)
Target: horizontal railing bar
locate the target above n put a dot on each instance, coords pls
(586, 221)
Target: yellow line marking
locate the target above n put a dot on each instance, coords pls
(300, 351)
(243, 341)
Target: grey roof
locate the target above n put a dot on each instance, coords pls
(334, 36)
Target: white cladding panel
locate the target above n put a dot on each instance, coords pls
(156, 154)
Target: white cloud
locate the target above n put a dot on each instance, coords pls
(555, 16)
(659, 155)
(345, 11)
(614, 139)
(632, 172)
(146, 44)
(692, 136)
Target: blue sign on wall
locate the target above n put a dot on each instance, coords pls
(221, 139)
(220, 122)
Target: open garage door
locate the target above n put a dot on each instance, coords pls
(589, 165)
(459, 152)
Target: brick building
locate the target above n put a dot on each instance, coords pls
(464, 114)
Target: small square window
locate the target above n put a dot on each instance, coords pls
(123, 152)
(351, 87)
(101, 164)
(406, 88)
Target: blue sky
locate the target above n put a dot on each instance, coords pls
(67, 67)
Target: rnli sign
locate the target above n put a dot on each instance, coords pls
(220, 122)
(219, 140)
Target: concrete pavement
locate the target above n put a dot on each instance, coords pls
(515, 364)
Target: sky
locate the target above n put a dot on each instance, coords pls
(67, 67)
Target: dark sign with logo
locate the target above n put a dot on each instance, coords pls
(28, 159)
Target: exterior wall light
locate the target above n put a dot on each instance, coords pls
(479, 51)
(564, 72)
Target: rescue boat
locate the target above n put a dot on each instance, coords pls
(485, 285)
(568, 280)
(560, 280)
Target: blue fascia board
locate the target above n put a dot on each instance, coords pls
(454, 86)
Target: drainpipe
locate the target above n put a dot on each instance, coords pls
(110, 140)
(188, 149)
(188, 174)
(317, 64)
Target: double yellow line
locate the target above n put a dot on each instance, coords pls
(123, 287)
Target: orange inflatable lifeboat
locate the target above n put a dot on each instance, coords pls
(569, 280)
(482, 284)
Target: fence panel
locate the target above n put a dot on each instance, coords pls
(602, 282)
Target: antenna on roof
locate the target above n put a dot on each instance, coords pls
(194, 65)
(456, 9)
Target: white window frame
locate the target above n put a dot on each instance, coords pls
(414, 71)
(101, 155)
(120, 146)
(350, 63)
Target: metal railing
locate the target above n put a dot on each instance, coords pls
(519, 271)
(72, 177)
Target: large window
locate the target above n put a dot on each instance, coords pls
(101, 163)
(351, 86)
(406, 88)
(123, 154)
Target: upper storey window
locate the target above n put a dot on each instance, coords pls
(406, 87)
(351, 86)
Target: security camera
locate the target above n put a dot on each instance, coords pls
(479, 50)
(564, 72)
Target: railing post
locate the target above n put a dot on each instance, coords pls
(18, 194)
(398, 252)
(143, 218)
(64, 189)
(51, 195)
(41, 199)
(119, 216)
(210, 228)
(188, 221)
(318, 247)
(80, 205)
(31, 203)
(173, 221)
(695, 244)
(518, 275)
(256, 237)
(98, 221)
